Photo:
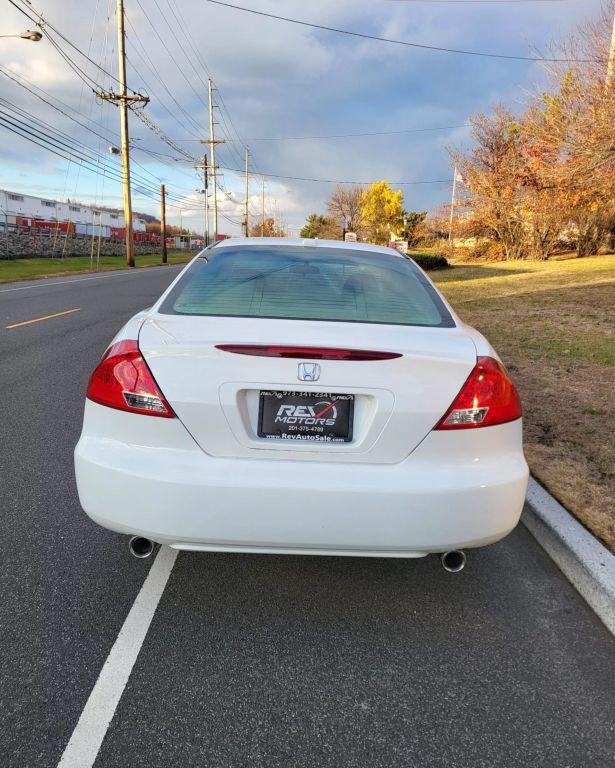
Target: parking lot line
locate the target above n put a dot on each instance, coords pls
(45, 317)
(86, 740)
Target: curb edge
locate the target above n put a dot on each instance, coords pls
(585, 562)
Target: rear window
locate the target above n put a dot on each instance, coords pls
(303, 283)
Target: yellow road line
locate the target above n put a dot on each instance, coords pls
(47, 317)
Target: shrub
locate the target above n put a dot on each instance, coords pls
(426, 261)
(488, 250)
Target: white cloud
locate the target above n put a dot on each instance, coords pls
(279, 79)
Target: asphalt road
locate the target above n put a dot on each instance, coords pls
(264, 660)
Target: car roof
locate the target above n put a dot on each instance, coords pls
(305, 242)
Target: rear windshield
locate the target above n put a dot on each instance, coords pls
(307, 283)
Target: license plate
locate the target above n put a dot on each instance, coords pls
(306, 416)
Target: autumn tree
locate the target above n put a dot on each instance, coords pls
(381, 212)
(493, 173)
(268, 228)
(344, 206)
(321, 227)
(575, 120)
(529, 179)
(412, 226)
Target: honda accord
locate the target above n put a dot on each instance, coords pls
(302, 396)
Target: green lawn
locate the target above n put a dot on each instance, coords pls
(553, 323)
(27, 269)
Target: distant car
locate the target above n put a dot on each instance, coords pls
(307, 397)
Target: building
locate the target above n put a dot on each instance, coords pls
(30, 211)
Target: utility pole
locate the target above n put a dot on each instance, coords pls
(245, 217)
(263, 209)
(212, 153)
(206, 193)
(205, 168)
(123, 99)
(610, 72)
(163, 223)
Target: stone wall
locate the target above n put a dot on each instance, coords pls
(27, 242)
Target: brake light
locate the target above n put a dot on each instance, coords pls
(488, 397)
(307, 353)
(122, 380)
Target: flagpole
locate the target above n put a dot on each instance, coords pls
(450, 226)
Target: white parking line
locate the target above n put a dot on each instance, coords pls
(45, 283)
(87, 738)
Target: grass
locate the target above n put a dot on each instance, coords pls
(553, 324)
(27, 269)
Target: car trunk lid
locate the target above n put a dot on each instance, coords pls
(216, 393)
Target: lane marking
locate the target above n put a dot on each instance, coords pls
(46, 282)
(87, 738)
(46, 317)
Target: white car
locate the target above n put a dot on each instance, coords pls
(306, 397)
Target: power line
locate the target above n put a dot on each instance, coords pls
(181, 47)
(13, 76)
(339, 181)
(164, 44)
(84, 155)
(353, 135)
(484, 2)
(146, 59)
(492, 2)
(143, 117)
(185, 29)
(331, 181)
(66, 155)
(107, 138)
(37, 130)
(155, 128)
(45, 25)
(405, 43)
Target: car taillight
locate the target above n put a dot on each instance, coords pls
(487, 398)
(122, 380)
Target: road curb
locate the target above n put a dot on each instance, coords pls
(585, 562)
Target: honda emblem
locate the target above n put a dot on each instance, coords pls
(308, 372)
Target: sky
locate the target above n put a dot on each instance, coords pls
(273, 80)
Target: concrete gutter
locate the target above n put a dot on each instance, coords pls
(585, 562)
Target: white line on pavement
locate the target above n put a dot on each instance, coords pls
(45, 283)
(87, 738)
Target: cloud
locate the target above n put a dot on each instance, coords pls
(276, 79)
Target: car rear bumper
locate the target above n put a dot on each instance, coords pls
(456, 490)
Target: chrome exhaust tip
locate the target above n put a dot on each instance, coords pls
(140, 547)
(453, 561)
